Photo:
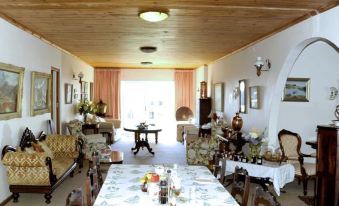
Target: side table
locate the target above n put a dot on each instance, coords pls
(94, 127)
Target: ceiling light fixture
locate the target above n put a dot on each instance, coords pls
(148, 49)
(153, 16)
(146, 63)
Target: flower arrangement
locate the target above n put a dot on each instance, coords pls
(86, 107)
(255, 139)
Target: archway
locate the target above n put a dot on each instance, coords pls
(281, 80)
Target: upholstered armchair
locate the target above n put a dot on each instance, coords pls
(105, 126)
(92, 142)
(290, 144)
(200, 150)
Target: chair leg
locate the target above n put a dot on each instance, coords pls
(305, 180)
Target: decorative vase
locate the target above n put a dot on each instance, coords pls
(336, 112)
(85, 117)
(254, 150)
(237, 122)
(203, 90)
(102, 108)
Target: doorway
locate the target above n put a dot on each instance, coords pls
(152, 102)
(55, 107)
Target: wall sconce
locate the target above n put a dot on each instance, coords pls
(333, 93)
(80, 75)
(262, 65)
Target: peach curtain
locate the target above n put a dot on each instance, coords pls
(107, 88)
(184, 94)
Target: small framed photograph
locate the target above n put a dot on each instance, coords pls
(254, 97)
(68, 93)
(297, 90)
(219, 97)
(40, 93)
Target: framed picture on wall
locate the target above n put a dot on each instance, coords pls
(11, 83)
(254, 97)
(242, 96)
(297, 90)
(91, 91)
(219, 97)
(40, 93)
(68, 93)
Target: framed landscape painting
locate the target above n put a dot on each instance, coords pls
(40, 93)
(11, 82)
(254, 97)
(297, 90)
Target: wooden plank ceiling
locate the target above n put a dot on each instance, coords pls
(109, 32)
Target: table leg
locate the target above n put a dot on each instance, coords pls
(156, 138)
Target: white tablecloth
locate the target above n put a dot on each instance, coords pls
(279, 174)
(122, 187)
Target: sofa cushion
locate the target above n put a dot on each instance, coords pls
(68, 143)
(61, 165)
(28, 175)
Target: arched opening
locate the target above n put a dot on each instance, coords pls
(305, 49)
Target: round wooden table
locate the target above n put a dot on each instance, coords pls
(141, 143)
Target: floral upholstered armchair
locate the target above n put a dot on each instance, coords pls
(199, 150)
(92, 142)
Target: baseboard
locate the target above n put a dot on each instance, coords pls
(3, 203)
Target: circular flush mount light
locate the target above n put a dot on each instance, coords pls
(148, 49)
(153, 16)
(146, 63)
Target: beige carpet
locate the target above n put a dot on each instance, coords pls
(167, 151)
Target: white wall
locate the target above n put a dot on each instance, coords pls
(283, 50)
(319, 62)
(22, 49)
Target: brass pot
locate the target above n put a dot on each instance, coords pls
(237, 122)
(102, 108)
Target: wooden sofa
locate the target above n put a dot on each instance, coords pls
(31, 171)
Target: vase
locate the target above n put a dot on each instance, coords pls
(102, 108)
(85, 118)
(237, 122)
(255, 150)
(203, 90)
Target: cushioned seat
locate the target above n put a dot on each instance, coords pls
(61, 165)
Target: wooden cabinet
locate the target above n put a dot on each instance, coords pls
(203, 109)
(328, 166)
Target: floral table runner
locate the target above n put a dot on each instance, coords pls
(122, 186)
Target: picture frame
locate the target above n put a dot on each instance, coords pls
(296, 90)
(40, 93)
(11, 90)
(219, 97)
(91, 91)
(242, 96)
(254, 94)
(68, 93)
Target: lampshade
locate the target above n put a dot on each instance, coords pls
(259, 62)
(153, 16)
(183, 114)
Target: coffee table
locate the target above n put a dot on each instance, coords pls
(141, 142)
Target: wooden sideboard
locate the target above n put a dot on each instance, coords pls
(203, 109)
(327, 166)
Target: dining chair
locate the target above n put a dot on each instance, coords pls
(96, 167)
(264, 196)
(75, 198)
(91, 186)
(241, 185)
(290, 144)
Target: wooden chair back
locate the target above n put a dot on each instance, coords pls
(241, 185)
(265, 197)
(290, 144)
(92, 186)
(75, 198)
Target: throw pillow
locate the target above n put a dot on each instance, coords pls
(47, 150)
(37, 147)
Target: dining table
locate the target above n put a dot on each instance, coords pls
(122, 186)
(278, 174)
